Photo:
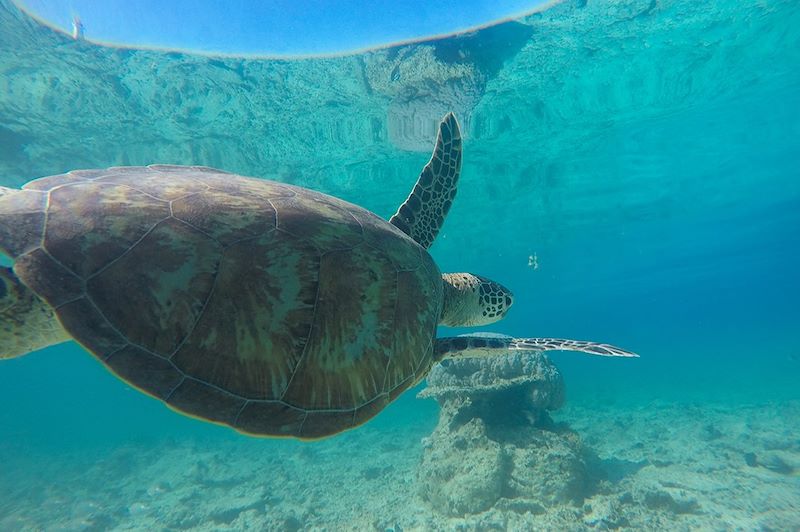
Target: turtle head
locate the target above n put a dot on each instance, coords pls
(470, 299)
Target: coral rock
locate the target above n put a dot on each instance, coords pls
(495, 442)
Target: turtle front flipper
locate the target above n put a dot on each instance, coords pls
(422, 214)
(482, 346)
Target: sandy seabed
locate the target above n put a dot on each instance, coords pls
(659, 466)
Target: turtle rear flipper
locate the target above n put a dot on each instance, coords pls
(422, 214)
(480, 346)
(26, 322)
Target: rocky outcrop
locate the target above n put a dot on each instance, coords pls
(495, 444)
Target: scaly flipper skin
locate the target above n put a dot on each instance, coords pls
(26, 322)
(479, 346)
(422, 214)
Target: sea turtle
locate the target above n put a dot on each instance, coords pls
(270, 308)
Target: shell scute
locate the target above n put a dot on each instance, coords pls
(271, 417)
(384, 237)
(415, 312)
(49, 279)
(145, 370)
(48, 183)
(160, 184)
(352, 337)
(269, 285)
(206, 401)
(225, 216)
(319, 424)
(22, 217)
(154, 294)
(91, 224)
(369, 410)
(88, 326)
(319, 219)
(233, 184)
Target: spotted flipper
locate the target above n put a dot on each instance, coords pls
(481, 346)
(26, 322)
(422, 214)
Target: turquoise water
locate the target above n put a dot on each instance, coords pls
(645, 152)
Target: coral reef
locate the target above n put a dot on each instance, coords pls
(495, 444)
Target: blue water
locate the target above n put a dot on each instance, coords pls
(645, 152)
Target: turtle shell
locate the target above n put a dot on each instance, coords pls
(270, 308)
